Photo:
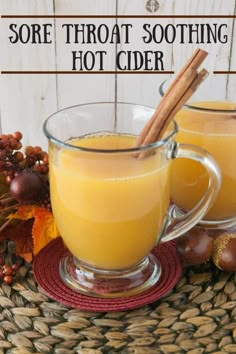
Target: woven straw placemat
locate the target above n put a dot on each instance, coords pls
(198, 316)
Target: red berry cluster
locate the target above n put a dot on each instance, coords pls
(7, 272)
(26, 173)
(13, 161)
(36, 158)
(10, 158)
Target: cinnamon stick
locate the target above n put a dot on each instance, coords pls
(178, 99)
(201, 76)
(193, 63)
(181, 89)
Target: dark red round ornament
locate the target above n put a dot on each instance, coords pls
(26, 187)
(194, 247)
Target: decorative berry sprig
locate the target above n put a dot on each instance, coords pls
(7, 273)
(25, 173)
(26, 221)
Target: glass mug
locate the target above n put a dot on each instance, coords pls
(210, 123)
(110, 206)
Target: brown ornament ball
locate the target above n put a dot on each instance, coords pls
(26, 187)
(224, 252)
(194, 247)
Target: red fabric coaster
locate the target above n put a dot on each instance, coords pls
(46, 272)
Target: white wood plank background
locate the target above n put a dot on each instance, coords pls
(146, 85)
(76, 89)
(221, 57)
(26, 100)
(219, 54)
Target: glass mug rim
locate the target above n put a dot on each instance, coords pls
(137, 149)
(195, 107)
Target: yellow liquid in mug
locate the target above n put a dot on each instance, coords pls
(110, 208)
(215, 133)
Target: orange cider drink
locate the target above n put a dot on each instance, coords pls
(210, 125)
(113, 206)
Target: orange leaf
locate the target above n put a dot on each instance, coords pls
(23, 212)
(44, 228)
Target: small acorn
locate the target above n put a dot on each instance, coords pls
(224, 252)
(194, 247)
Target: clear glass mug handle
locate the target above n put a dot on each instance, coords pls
(178, 224)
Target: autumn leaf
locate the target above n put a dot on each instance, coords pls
(44, 228)
(21, 234)
(23, 212)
